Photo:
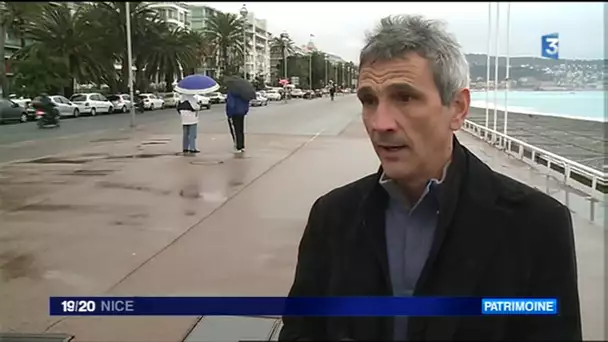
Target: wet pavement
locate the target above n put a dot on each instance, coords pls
(129, 216)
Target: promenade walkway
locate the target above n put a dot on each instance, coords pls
(130, 217)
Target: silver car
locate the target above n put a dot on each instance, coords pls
(65, 106)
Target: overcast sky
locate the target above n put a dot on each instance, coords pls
(339, 26)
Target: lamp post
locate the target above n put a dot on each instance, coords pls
(325, 65)
(310, 51)
(244, 17)
(284, 39)
(130, 62)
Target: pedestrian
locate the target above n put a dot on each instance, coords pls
(188, 108)
(434, 220)
(236, 110)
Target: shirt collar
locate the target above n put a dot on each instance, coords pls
(395, 192)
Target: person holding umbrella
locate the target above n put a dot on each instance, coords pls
(240, 92)
(188, 110)
(188, 106)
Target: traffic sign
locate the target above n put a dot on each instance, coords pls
(550, 46)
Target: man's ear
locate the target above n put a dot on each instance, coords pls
(459, 108)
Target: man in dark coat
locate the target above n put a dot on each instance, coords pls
(434, 220)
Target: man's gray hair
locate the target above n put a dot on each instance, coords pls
(397, 36)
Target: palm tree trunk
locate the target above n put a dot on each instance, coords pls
(124, 77)
(3, 77)
(224, 60)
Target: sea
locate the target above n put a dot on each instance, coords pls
(582, 105)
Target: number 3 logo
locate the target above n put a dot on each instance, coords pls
(553, 46)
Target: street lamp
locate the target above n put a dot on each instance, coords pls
(310, 51)
(130, 61)
(244, 17)
(284, 38)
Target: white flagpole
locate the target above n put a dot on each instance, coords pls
(508, 67)
(488, 65)
(496, 60)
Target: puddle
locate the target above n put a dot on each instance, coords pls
(187, 193)
(141, 155)
(207, 162)
(49, 207)
(113, 185)
(53, 160)
(17, 266)
(154, 143)
(90, 172)
(109, 140)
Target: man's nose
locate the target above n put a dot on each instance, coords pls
(384, 118)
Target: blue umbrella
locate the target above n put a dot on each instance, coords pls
(196, 84)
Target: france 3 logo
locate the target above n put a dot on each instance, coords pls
(550, 46)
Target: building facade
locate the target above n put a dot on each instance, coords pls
(258, 47)
(174, 13)
(199, 15)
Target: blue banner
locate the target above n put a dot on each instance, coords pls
(280, 306)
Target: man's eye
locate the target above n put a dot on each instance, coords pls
(403, 97)
(368, 100)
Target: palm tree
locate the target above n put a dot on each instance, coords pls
(171, 52)
(109, 17)
(65, 36)
(283, 47)
(14, 17)
(204, 49)
(225, 31)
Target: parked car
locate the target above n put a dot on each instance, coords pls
(259, 100)
(121, 102)
(273, 95)
(64, 106)
(92, 103)
(23, 102)
(216, 97)
(309, 94)
(152, 102)
(171, 99)
(297, 93)
(203, 101)
(11, 111)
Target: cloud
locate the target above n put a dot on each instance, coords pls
(339, 27)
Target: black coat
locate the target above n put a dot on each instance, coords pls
(495, 237)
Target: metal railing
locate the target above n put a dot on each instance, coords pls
(592, 178)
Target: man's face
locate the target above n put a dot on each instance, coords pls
(410, 129)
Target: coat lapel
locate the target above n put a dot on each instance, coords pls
(372, 221)
(463, 243)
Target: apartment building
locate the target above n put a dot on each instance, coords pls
(173, 12)
(258, 47)
(199, 15)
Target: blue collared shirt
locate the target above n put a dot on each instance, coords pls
(409, 236)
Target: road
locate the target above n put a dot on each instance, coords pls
(119, 212)
(25, 141)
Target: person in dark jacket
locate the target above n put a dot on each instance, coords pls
(434, 220)
(236, 110)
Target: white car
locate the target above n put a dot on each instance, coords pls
(297, 93)
(273, 95)
(92, 103)
(203, 101)
(171, 99)
(259, 100)
(152, 102)
(65, 106)
(121, 102)
(216, 97)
